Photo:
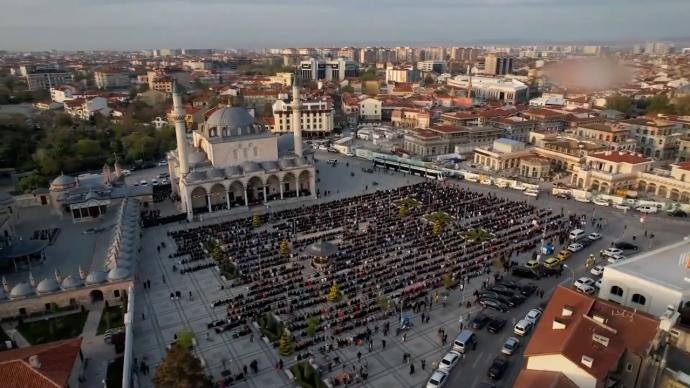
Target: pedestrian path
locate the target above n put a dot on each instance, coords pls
(15, 335)
(97, 353)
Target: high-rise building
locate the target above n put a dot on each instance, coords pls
(44, 77)
(336, 69)
(403, 74)
(109, 78)
(497, 64)
(431, 66)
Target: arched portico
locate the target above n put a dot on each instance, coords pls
(273, 189)
(255, 191)
(218, 197)
(199, 200)
(289, 185)
(236, 194)
(305, 183)
(662, 191)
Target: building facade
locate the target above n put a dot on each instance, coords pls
(111, 79)
(370, 109)
(498, 64)
(655, 138)
(329, 70)
(46, 78)
(316, 117)
(509, 91)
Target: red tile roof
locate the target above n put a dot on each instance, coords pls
(683, 165)
(425, 133)
(620, 157)
(529, 378)
(448, 129)
(624, 328)
(57, 361)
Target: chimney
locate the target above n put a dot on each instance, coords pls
(567, 311)
(35, 362)
(587, 361)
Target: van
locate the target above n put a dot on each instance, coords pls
(647, 209)
(464, 341)
(576, 234)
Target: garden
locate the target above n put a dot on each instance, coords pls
(53, 329)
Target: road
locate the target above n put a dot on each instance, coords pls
(618, 226)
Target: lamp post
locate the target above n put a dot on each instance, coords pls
(570, 269)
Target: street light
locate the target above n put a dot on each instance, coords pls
(570, 269)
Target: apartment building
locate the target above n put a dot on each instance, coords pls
(316, 117)
(329, 70)
(45, 78)
(498, 64)
(370, 109)
(444, 139)
(111, 79)
(86, 108)
(655, 138)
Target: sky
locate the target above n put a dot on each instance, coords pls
(142, 24)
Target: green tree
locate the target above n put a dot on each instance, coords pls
(284, 247)
(285, 345)
(448, 281)
(620, 103)
(334, 294)
(368, 75)
(181, 369)
(217, 253)
(384, 302)
(437, 228)
(256, 221)
(347, 89)
(313, 325)
(32, 182)
(88, 148)
(404, 210)
(659, 104)
(185, 338)
(682, 105)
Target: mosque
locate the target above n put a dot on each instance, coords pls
(235, 161)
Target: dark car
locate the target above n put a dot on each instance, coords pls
(585, 242)
(493, 304)
(496, 325)
(517, 300)
(678, 213)
(626, 246)
(502, 290)
(510, 284)
(563, 195)
(547, 272)
(497, 368)
(489, 294)
(527, 273)
(528, 289)
(480, 321)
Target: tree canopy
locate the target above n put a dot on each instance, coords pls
(180, 369)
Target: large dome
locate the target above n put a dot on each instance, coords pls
(21, 290)
(47, 285)
(96, 277)
(63, 181)
(233, 121)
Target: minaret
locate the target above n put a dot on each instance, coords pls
(469, 83)
(178, 114)
(297, 118)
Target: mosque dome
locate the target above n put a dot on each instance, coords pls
(270, 166)
(196, 156)
(96, 277)
(63, 182)
(71, 282)
(118, 273)
(233, 121)
(21, 290)
(47, 285)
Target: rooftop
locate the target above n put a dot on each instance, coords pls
(620, 157)
(56, 364)
(529, 378)
(660, 266)
(604, 127)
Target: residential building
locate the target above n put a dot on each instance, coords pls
(509, 91)
(86, 108)
(432, 66)
(443, 139)
(317, 117)
(684, 148)
(651, 282)
(477, 117)
(370, 109)
(320, 69)
(162, 79)
(592, 343)
(58, 364)
(111, 79)
(45, 78)
(502, 155)
(612, 135)
(565, 153)
(655, 138)
(410, 118)
(401, 74)
(515, 127)
(62, 93)
(498, 64)
(610, 171)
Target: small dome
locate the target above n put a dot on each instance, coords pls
(71, 282)
(91, 195)
(270, 166)
(235, 121)
(21, 290)
(118, 264)
(216, 173)
(195, 176)
(250, 167)
(233, 171)
(63, 181)
(196, 156)
(286, 163)
(118, 273)
(96, 277)
(47, 285)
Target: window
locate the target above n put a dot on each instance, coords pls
(639, 299)
(629, 367)
(116, 293)
(615, 290)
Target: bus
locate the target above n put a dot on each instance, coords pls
(408, 168)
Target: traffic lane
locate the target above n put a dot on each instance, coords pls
(146, 174)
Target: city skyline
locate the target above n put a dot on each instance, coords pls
(130, 25)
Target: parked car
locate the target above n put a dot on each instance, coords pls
(493, 304)
(597, 284)
(497, 368)
(534, 315)
(496, 325)
(610, 252)
(552, 262)
(513, 285)
(594, 236)
(524, 272)
(586, 289)
(649, 209)
(621, 206)
(626, 246)
(613, 259)
(449, 361)
(510, 346)
(575, 247)
(480, 321)
(126, 172)
(438, 379)
(597, 270)
(162, 163)
(678, 213)
(502, 290)
(522, 328)
(528, 289)
(563, 195)
(601, 202)
(532, 264)
(583, 281)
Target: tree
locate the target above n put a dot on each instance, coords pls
(368, 75)
(384, 302)
(181, 369)
(448, 281)
(32, 182)
(620, 103)
(334, 294)
(682, 105)
(284, 247)
(217, 252)
(659, 104)
(87, 148)
(256, 221)
(313, 325)
(404, 210)
(185, 338)
(285, 345)
(437, 228)
(347, 89)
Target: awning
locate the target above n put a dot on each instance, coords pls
(23, 248)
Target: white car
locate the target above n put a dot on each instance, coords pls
(126, 172)
(586, 289)
(611, 251)
(597, 270)
(600, 202)
(448, 361)
(621, 206)
(143, 182)
(583, 281)
(613, 259)
(520, 187)
(531, 193)
(523, 327)
(533, 316)
(575, 247)
(582, 199)
(594, 236)
(510, 346)
(647, 209)
(438, 379)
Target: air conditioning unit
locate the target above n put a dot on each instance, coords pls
(603, 340)
(587, 361)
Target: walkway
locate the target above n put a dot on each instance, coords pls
(95, 350)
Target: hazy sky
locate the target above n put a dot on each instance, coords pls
(138, 24)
